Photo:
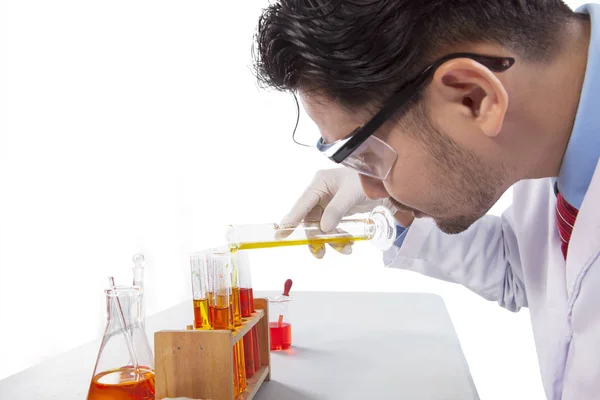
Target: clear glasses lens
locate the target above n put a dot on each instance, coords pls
(373, 158)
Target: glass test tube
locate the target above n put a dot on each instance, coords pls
(199, 274)
(221, 291)
(235, 289)
(243, 268)
(243, 273)
(247, 303)
(255, 348)
(379, 228)
(220, 266)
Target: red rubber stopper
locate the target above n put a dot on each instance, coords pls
(287, 287)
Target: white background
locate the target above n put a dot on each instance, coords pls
(137, 126)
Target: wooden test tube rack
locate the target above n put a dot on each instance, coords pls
(199, 364)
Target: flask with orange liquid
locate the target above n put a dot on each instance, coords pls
(124, 366)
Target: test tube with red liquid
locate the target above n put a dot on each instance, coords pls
(280, 327)
(251, 351)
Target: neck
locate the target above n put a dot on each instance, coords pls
(545, 112)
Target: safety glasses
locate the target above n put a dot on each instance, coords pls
(371, 156)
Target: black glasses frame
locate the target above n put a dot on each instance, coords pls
(403, 95)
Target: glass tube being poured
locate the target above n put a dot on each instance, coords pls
(379, 228)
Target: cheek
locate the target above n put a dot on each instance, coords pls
(409, 182)
(373, 188)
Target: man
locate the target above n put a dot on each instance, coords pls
(437, 107)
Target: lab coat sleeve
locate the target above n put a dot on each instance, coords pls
(478, 258)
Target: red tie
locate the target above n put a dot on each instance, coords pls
(565, 219)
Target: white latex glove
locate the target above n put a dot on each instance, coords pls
(332, 195)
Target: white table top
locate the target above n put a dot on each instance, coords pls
(344, 346)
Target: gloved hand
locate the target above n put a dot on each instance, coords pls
(332, 195)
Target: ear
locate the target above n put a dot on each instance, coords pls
(475, 92)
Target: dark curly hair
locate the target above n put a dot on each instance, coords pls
(360, 51)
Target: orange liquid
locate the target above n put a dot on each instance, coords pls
(210, 303)
(239, 349)
(123, 384)
(230, 323)
(237, 314)
(220, 317)
(236, 375)
(201, 314)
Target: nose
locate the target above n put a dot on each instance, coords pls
(373, 188)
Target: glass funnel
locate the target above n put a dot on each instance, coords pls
(124, 366)
(379, 228)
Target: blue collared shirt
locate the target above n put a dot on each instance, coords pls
(583, 149)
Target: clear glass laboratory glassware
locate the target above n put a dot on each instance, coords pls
(138, 270)
(124, 367)
(280, 324)
(199, 275)
(220, 264)
(235, 291)
(251, 347)
(379, 228)
(221, 308)
(138, 280)
(246, 296)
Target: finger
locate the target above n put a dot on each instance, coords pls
(343, 248)
(347, 249)
(315, 214)
(315, 193)
(336, 210)
(318, 251)
(302, 207)
(344, 241)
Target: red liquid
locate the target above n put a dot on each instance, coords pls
(249, 354)
(123, 384)
(252, 300)
(281, 335)
(245, 302)
(256, 348)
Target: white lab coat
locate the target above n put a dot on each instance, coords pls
(516, 260)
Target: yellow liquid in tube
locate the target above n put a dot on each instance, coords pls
(379, 229)
(340, 241)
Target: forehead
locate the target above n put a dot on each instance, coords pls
(333, 120)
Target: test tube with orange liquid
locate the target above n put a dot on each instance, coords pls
(222, 309)
(199, 274)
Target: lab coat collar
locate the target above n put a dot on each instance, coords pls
(584, 246)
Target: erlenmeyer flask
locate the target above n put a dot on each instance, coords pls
(125, 366)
